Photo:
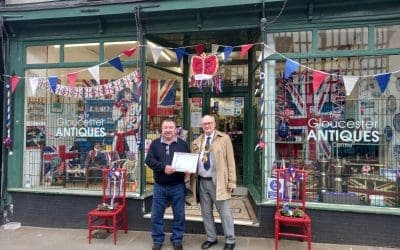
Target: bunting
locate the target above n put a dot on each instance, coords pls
(291, 66)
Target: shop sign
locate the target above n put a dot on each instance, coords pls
(274, 188)
(343, 133)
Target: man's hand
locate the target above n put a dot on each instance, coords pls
(230, 190)
(169, 170)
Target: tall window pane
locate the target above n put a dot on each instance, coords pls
(343, 39)
(387, 37)
(43, 54)
(81, 52)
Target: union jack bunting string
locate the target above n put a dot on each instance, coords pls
(291, 66)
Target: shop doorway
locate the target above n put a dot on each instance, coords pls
(230, 115)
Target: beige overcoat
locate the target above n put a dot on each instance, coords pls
(222, 151)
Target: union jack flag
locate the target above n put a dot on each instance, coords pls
(162, 95)
(297, 104)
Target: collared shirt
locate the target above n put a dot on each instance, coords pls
(202, 171)
(161, 154)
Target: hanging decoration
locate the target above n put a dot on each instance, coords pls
(261, 141)
(8, 141)
(204, 67)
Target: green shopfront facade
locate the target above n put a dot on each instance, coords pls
(344, 132)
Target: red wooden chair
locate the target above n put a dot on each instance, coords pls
(111, 214)
(291, 219)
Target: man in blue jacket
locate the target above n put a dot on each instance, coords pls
(169, 185)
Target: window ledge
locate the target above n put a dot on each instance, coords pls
(345, 208)
(71, 192)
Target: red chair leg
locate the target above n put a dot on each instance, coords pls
(125, 222)
(115, 226)
(276, 234)
(90, 228)
(309, 236)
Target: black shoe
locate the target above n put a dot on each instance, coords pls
(208, 244)
(156, 246)
(178, 246)
(229, 246)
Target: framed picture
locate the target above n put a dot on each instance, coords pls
(35, 137)
(57, 102)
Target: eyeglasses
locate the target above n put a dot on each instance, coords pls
(167, 149)
(207, 123)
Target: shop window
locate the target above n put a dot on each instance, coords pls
(343, 39)
(387, 37)
(71, 133)
(234, 75)
(81, 52)
(292, 42)
(347, 141)
(43, 54)
(74, 132)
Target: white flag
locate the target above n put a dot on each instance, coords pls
(349, 83)
(214, 49)
(156, 52)
(94, 71)
(267, 52)
(34, 82)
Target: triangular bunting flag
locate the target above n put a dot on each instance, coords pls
(116, 62)
(179, 53)
(94, 71)
(72, 78)
(199, 49)
(349, 83)
(267, 52)
(214, 49)
(244, 49)
(14, 82)
(290, 67)
(53, 83)
(383, 80)
(318, 79)
(130, 52)
(227, 53)
(34, 82)
(156, 52)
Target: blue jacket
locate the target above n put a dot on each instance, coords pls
(157, 158)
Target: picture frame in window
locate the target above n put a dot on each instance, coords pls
(56, 103)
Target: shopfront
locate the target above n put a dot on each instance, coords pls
(91, 92)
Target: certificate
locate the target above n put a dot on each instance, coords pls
(185, 162)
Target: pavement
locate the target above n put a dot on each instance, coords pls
(32, 238)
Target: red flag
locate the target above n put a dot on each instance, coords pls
(245, 48)
(318, 79)
(130, 52)
(14, 82)
(72, 78)
(199, 49)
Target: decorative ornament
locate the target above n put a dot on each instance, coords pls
(388, 132)
(391, 103)
(204, 67)
(283, 128)
(260, 145)
(8, 141)
(396, 122)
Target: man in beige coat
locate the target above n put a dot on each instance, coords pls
(215, 181)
